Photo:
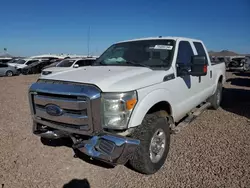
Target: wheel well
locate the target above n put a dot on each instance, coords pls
(8, 71)
(163, 105)
(221, 79)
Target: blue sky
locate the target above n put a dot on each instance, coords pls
(30, 27)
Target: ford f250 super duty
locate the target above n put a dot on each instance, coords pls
(122, 108)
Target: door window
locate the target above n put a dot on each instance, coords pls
(89, 62)
(184, 56)
(3, 65)
(200, 50)
(30, 62)
(4, 60)
(185, 53)
(81, 63)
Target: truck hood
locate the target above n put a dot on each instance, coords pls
(58, 69)
(111, 78)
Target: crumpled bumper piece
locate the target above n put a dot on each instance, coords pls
(112, 149)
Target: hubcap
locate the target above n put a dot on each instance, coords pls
(157, 145)
(9, 73)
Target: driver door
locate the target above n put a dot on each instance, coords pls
(186, 86)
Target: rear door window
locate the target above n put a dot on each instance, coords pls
(200, 50)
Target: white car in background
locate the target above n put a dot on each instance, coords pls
(69, 64)
(21, 63)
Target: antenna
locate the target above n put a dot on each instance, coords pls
(88, 39)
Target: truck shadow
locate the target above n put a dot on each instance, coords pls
(57, 142)
(236, 101)
(67, 142)
(242, 74)
(244, 82)
(76, 183)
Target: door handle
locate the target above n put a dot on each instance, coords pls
(211, 74)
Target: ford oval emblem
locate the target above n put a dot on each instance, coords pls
(53, 110)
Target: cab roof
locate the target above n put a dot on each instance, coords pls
(162, 38)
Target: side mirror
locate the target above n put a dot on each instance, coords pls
(198, 66)
(75, 66)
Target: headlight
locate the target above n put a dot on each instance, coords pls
(117, 109)
(46, 72)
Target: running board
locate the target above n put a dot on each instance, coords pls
(193, 114)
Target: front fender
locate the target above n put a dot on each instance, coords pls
(148, 101)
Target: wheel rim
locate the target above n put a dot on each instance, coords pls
(157, 145)
(9, 73)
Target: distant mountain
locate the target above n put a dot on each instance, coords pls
(223, 53)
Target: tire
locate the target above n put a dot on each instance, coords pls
(9, 73)
(246, 67)
(141, 160)
(29, 71)
(216, 98)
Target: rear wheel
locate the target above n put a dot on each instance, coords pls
(215, 99)
(9, 73)
(154, 136)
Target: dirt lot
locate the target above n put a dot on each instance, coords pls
(214, 151)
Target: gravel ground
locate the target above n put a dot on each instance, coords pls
(214, 151)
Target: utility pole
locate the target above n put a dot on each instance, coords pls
(88, 39)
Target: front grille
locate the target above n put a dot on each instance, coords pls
(75, 103)
(75, 111)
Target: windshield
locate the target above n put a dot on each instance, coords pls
(20, 61)
(66, 63)
(149, 53)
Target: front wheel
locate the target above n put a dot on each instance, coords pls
(154, 136)
(9, 73)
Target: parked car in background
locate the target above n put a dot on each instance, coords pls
(37, 67)
(247, 63)
(238, 64)
(69, 64)
(226, 60)
(8, 70)
(5, 59)
(14, 60)
(21, 63)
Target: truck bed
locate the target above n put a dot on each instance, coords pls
(216, 62)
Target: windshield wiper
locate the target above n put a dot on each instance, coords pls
(121, 63)
(101, 63)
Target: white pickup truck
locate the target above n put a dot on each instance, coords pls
(122, 108)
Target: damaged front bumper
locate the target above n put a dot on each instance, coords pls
(112, 149)
(106, 147)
